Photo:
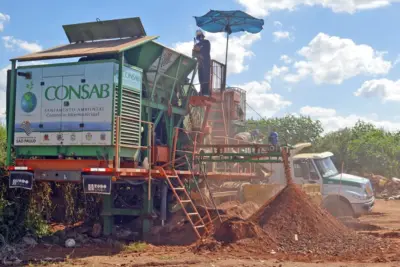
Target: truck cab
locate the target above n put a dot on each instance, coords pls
(342, 194)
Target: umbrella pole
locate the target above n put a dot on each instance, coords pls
(226, 61)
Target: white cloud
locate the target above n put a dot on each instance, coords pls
(281, 35)
(276, 72)
(3, 78)
(331, 59)
(264, 7)
(331, 121)
(4, 18)
(317, 111)
(385, 89)
(286, 59)
(239, 49)
(260, 99)
(3, 83)
(12, 43)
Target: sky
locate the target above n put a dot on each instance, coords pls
(333, 60)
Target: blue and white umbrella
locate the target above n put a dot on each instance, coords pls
(230, 22)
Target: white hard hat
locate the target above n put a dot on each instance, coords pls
(199, 32)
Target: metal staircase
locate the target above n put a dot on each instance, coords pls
(193, 216)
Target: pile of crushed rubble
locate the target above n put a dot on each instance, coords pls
(291, 224)
(385, 188)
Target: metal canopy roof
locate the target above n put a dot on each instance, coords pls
(103, 30)
(88, 49)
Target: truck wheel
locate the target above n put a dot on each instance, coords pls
(339, 209)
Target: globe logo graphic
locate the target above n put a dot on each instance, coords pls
(28, 102)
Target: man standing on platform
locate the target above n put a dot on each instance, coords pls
(201, 51)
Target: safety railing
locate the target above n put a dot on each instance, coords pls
(217, 76)
(235, 141)
(194, 138)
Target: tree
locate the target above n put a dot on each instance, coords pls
(291, 129)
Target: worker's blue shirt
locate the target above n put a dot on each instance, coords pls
(273, 138)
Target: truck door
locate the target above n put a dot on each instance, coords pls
(305, 172)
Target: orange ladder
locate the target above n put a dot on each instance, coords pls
(193, 217)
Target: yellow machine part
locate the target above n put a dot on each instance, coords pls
(260, 194)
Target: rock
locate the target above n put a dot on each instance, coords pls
(29, 241)
(70, 243)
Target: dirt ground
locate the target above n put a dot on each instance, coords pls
(384, 223)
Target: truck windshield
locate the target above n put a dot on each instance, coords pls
(326, 167)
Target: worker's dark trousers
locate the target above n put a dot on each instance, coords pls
(204, 78)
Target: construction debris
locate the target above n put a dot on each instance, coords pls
(385, 188)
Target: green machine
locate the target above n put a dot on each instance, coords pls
(116, 94)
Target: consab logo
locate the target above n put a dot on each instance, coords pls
(84, 91)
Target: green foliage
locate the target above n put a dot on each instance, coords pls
(364, 149)
(3, 145)
(291, 129)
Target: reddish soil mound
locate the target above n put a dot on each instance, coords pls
(291, 224)
(291, 214)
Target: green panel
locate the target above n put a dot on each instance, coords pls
(328, 181)
(176, 110)
(144, 55)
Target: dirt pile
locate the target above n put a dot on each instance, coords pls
(297, 223)
(291, 224)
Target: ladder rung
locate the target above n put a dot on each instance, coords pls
(179, 188)
(193, 213)
(172, 176)
(186, 201)
(200, 226)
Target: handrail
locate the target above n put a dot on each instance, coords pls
(197, 136)
(238, 142)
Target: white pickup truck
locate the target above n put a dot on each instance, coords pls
(343, 194)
